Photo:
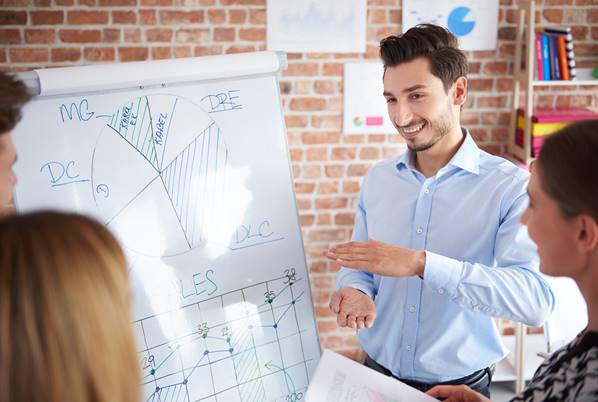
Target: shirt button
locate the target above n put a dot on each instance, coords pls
(427, 191)
(412, 309)
(440, 291)
(408, 348)
(419, 230)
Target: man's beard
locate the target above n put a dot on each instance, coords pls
(439, 128)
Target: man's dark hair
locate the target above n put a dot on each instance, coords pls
(13, 95)
(433, 42)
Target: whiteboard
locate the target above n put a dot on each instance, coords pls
(186, 162)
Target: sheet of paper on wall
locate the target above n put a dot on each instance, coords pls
(300, 26)
(364, 105)
(474, 22)
(340, 379)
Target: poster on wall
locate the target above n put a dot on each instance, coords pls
(474, 22)
(364, 105)
(300, 26)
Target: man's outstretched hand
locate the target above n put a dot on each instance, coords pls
(353, 308)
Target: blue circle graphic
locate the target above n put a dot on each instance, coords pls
(456, 23)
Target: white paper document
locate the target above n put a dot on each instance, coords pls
(340, 379)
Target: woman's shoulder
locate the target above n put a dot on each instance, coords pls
(569, 374)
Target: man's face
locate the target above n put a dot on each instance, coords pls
(418, 105)
(8, 179)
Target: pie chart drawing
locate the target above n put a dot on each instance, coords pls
(457, 23)
(159, 174)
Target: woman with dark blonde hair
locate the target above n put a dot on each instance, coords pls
(65, 332)
(562, 218)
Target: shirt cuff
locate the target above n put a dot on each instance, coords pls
(364, 289)
(442, 274)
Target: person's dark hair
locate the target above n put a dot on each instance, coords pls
(568, 168)
(433, 42)
(13, 95)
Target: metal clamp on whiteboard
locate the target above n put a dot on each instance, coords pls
(144, 74)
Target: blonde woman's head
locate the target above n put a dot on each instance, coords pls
(65, 331)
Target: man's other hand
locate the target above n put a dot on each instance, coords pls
(353, 308)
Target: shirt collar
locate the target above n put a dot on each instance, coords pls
(466, 158)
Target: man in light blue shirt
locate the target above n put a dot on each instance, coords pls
(438, 249)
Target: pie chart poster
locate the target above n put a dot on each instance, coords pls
(474, 22)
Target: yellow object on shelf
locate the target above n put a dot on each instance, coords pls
(542, 129)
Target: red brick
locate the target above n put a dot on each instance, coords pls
(40, 35)
(159, 35)
(237, 16)
(358, 169)
(3, 57)
(148, 17)
(207, 50)
(240, 49)
(306, 220)
(252, 34)
(304, 187)
(80, 35)
(316, 154)
(334, 69)
(326, 87)
(159, 53)
(295, 121)
(327, 187)
(343, 153)
(330, 122)
(133, 53)
(324, 220)
(224, 34)
(321, 138)
(47, 17)
(124, 17)
(117, 3)
(87, 17)
(29, 55)
(13, 17)
(300, 69)
(495, 67)
(257, 17)
(377, 16)
(10, 36)
(216, 16)
(334, 170)
(182, 51)
(480, 84)
(90, 3)
(312, 172)
(327, 235)
(111, 35)
(369, 153)
(181, 17)
(553, 15)
(62, 54)
(132, 35)
(99, 54)
(197, 35)
(344, 218)
(307, 104)
(157, 2)
(65, 3)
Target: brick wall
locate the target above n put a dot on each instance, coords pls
(327, 165)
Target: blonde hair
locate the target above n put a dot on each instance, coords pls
(65, 332)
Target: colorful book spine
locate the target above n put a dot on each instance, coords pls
(539, 66)
(562, 53)
(555, 71)
(545, 58)
(566, 32)
(542, 129)
(551, 115)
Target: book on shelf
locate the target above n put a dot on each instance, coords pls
(554, 53)
(547, 121)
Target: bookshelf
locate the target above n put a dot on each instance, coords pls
(525, 82)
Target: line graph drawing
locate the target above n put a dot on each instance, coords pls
(159, 174)
(250, 344)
